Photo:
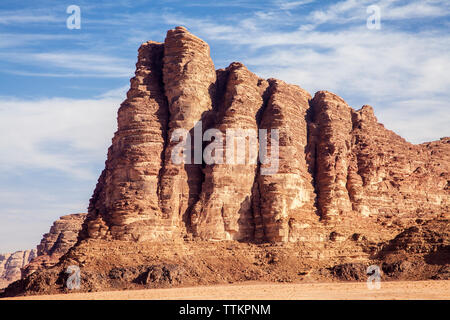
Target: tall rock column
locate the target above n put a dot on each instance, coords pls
(125, 203)
(189, 78)
(332, 143)
(224, 211)
(286, 195)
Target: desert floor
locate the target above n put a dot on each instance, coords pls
(255, 290)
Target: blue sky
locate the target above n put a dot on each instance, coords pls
(61, 88)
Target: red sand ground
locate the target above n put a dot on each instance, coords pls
(250, 290)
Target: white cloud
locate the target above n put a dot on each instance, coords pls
(61, 134)
(118, 93)
(51, 151)
(359, 60)
(354, 10)
(28, 17)
(81, 64)
(417, 120)
(27, 213)
(415, 9)
(288, 5)
(229, 3)
(8, 40)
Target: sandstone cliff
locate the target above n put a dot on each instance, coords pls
(336, 165)
(365, 170)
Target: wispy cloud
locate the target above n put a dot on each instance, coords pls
(53, 149)
(18, 17)
(60, 134)
(28, 19)
(24, 222)
(95, 63)
(118, 93)
(231, 3)
(81, 64)
(393, 10)
(288, 5)
(355, 10)
(417, 120)
(9, 40)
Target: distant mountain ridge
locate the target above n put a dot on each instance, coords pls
(11, 264)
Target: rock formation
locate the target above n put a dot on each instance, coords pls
(224, 210)
(340, 191)
(334, 163)
(62, 236)
(286, 197)
(142, 194)
(126, 202)
(11, 264)
(189, 77)
(365, 170)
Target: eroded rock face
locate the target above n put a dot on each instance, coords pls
(331, 139)
(142, 194)
(286, 198)
(365, 170)
(126, 203)
(189, 77)
(11, 264)
(337, 168)
(345, 190)
(225, 207)
(62, 236)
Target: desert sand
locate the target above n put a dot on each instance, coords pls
(394, 290)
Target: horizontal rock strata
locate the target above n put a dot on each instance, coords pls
(366, 170)
(189, 76)
(336, 166)
(287, 197)
(225, 207)
(126, 203)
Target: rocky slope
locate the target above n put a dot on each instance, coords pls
(417, 253)
(62, 236)
(11, 264)
(345, 193)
